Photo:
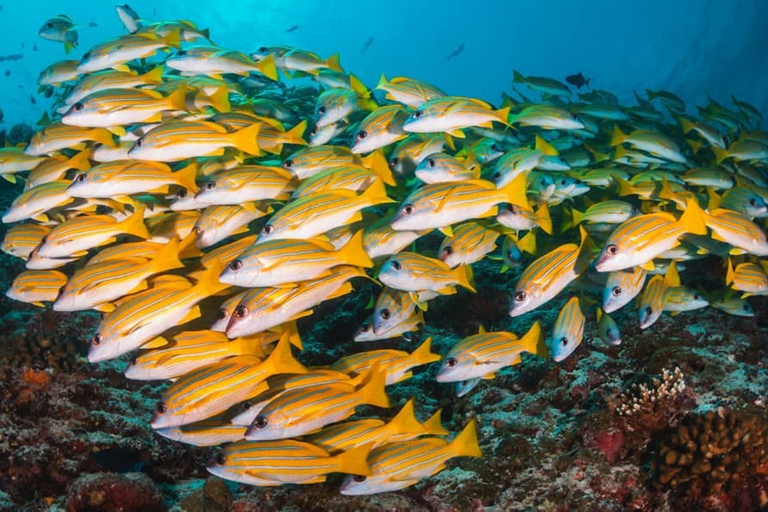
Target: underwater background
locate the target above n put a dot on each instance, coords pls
(672, 417)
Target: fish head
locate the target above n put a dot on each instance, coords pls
(82, 113)
(365, 332)
(464, 387)
(104, 346)
(561, 345)
(647, 315)
(208, 191)
(135, 369)
(393, 274)
(523, 301)
(55, 29)
(236, 270)
(614, 256)
(270, 424)
(413, 214)
(755, 206)
(437, 167)
(610, 333)
(223, 317)
(360, 485)
(458, 367)
(166, 415)
(81, 186)
(334, 105)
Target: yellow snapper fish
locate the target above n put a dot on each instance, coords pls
(520, 219)
(379, 239)
(20, 240)
(412, 272)
(742, 200)
(284, 262)
(713, 177)
(411, 324)
(120, 107)
(172, 224)
(549, 274)
(470, 242)
(57, 168)
(485, 353)
(310, 216)
(312, 160)
(640, 239)
(708, 133)
(297, 60)
(79, 234)
(548, 117)
(179, 140)
(356, 178)
(608, 329)
(544, 85)
(264, 308)
(408, 91)
(214, 61)
(410, 152)
(219, 222)
(451, 114)
(188, 31)
(320, 135)
(442, 167)
(14, 160)
(440, 205)
(214, 388)
(392, 307)
(678, 299)
(743, 149)
(128, 177)
(246, 183)
(226, 310)
(399, 465)
(59, 72)
(375, 432)
(568, 330)
(37, 286)
(520, 160)
(334, 105)
(189, 350)
(621, 287)
(396, 364)
(612, 211)
(733, 305)
(273, 463)
(117, 52)
(653, 142)
(651, 303)
(98, 284)
(58, 136)
(738, 230)
(35, 202)
(112, 79)
(305, 410)
(749, 278)
(211, 432)
(171, 301)
(380, 128)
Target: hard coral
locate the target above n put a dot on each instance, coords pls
(109, 492)
(650, 407)
(715, 455)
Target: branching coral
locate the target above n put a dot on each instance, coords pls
(649, 406)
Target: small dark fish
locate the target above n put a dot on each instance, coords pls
(455, 53)
(22, 45)
(154, 11)
(7, 72)
(32, 99)
(34, 47)
(93, 24)
(2, 115)
(578, 80)
(1, 8)
(12, 57)
(293, 28)
(367, 45)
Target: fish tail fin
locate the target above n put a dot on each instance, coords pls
(405, 421)
(423, 353)
(376, 193)
(730, 273)
(672, 278)
(281, 359)
(378, 164)
(353, 252)
(206, 33)
(177, 100)
(81, 161)
(545, 147)
(433, 426)
(543, 218)
(517, 77)
(167, 258)
(208, 280)
(503, 114)
(291, 331)
(714, 199)
(220, 100)
(154, 76)
(334, 62)
(618, 136)
(68, 47)
(296, 134)
(625, 187)
(651, 94)
(533, 341)
(694, 145)
(173, 38)
(266, 66)
(103, 136)
(686, 124)
(576, 218)
(465, 444)
(134, 225)
(516, 191)
(600, 313)
(465, 277)
(382, 82)
(354, 461)
(528, 243)
(373, 392)
(357, 85)
(693, 218)
(247, 139)
(720, 154)
(186, 176)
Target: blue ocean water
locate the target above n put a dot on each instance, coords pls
(690, 47)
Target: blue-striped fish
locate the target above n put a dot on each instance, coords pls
(747, 277)
(568, 330)
(37, 286)
(451, 114)
(126, 177)
(470, 242)
(621, 287)
(607, 328)
(738, 230)
(211, 432)
(246, 183)
(21, 239)
(408, 91)
(397, 364)
(412, 272)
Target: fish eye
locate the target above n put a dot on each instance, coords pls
(396, 265)
(362, 134)
(496, 175)
(182, 194)
(408, 209)
(746, 307)
(134, 360)
(752, 202)
(321, 109)
(451, 362)
(161, 407)
(138, 143)
(269, 228)
(358, 478)
(79, 106)
(235, 265)
(394, 161)
(262, 49)
(608, 332)
(221, 459)
(49, 25)
(430, 162)
(385, 314)
(696, 296)
(365, 327)
(181, 53)
(649, 310)
(447, 251)
(261, 422)
(87, 55)
(417, 114)
(563, 182)
(240, 311)
(80, 177)
(96, 341)
(564, 341)
(616, 291)
(222, 314)
(612, 249)
(210, 185)
(495, 147)
(313, 132)
(288, 164)
(520, 296)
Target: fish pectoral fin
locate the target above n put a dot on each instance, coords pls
(736, 251)
(157, 343)
(447, 230)
(301, 315)
(648, 265)
(107, 307)
(448, 290)
(490, 376)
(459, 134)
(38, 304)
(193, 314)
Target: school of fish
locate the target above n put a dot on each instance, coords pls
(176, 181)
